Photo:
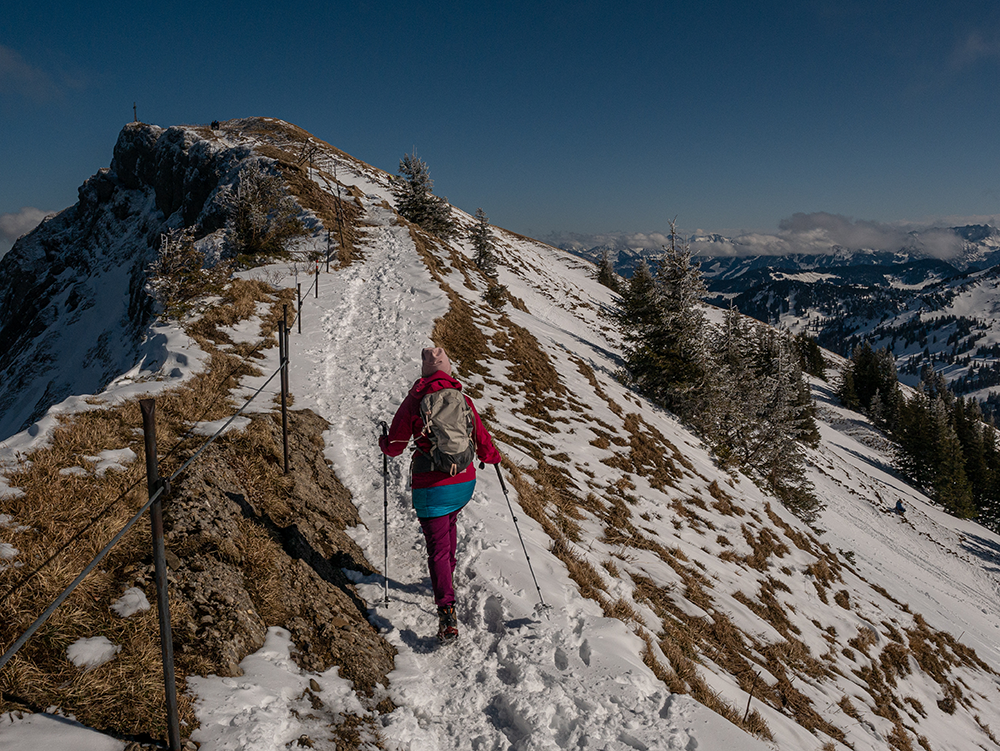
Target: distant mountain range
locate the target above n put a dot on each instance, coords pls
(942, 313)
(974, 246)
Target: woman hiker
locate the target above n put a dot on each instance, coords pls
(447, 434)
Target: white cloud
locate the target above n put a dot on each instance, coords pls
(975, 46)
(12, 226)
(814, 233)
(20, 78)
(819, 232)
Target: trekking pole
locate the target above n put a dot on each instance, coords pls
(385, 513)
(541, 602)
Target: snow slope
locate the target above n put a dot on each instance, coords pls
(610, 483)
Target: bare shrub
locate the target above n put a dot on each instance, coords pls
(178, 279)
(496, 295)
(262, 217)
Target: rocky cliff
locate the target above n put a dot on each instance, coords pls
(74, 312)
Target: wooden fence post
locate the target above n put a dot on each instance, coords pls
(283, 355)
(154, 484)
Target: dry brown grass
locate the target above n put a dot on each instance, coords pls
(723, 501)
(623, 610)
(918, 707)
(126, 693)
(895, 662)
(850, 710)
(587, 578)
(72, 516)
(259, 554)
(985, 728)
(341, 216)
(764, 545)
(899, 739)
(864, 639)
(459, 333)
(588, 372)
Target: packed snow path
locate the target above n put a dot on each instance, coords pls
(574, 687)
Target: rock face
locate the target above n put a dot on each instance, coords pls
(73, 307)
(241, 560)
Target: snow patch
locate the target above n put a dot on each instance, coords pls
(112, 459)
(133, 601)
(51, 731)
(269, 706)
(91, 652)
(211, 428)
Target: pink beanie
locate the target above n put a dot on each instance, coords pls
(434, 359)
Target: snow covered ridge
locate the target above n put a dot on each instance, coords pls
(74, 313)
(667, 578)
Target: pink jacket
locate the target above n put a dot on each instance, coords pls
(408, 424)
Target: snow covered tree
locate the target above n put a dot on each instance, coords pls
(676, 341)
(733, 404)
(415, 201)
(758, 410)
(263, 218)
(482, 244)
(811, 355)
(662, 327)
(788, 424)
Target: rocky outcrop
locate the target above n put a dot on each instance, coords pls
(73, 307)
(242, 560)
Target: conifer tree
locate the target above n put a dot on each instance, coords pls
(914, 439)
(811, 357)
(482, 244)
(637, 316)
(416, 202)
(869, 377)
(676, 343)
(759, 411)
(734, 401)
(951, 486)
(967, 419)
(988, 507)
(606, 273)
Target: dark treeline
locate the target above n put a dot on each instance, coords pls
(942, 442)
(740, 384)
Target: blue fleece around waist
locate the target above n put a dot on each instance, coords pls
(442, 499)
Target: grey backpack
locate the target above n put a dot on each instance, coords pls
(448, 424)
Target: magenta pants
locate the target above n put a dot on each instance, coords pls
(441, 533)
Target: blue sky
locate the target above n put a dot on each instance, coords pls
(583, 117)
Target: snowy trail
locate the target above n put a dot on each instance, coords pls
(574, 686)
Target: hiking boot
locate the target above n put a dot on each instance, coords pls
(447, 624)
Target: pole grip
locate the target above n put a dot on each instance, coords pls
(503, 485)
